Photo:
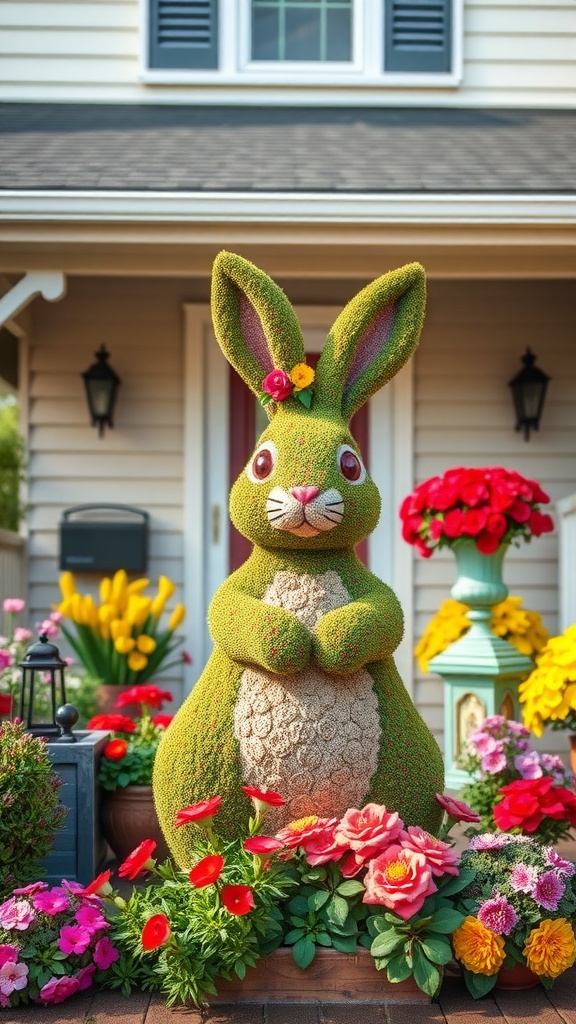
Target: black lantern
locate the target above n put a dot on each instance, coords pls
(43, 658)
(528, 393)
(101, 383)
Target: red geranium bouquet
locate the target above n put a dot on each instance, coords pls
(128, 757)
(492, 506)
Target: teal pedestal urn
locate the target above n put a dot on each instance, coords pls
(481, 671)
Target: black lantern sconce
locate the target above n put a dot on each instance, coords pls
(528, 394)
(43, 658)
(101, 383)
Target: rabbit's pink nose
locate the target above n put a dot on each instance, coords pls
(304, 494)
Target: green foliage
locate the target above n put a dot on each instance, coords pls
(30, 807)
(12, 469)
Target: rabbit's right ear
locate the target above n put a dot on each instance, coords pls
(255, 324)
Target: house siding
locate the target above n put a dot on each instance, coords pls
(515, 53)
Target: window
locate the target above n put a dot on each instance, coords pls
(285, 42)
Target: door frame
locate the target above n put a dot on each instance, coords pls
(205, 479)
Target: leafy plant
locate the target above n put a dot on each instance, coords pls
(30, 806)
(12, 469)
(128, 757)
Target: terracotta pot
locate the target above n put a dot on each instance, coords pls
(128, 816)
(516, 978)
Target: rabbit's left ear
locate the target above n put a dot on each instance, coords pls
(372, 338)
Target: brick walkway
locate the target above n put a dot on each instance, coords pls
(536, 1006)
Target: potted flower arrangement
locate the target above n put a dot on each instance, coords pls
(549, 692)
(53, 943)
(514, 787)
(492, 505)
(121, 641)
(518, 910)
(125, 771)
(366, 882)
(522, 628)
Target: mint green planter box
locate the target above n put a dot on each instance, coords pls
(79, 850)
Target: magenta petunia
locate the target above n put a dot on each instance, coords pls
(105, 953)
(8, 953)
(58, 989)
(498, 915)
(91, 918)
(74, 939)
(85, 977)
(51, 901)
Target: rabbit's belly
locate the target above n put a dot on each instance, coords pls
(310, 736)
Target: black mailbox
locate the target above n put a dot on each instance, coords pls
(104, 538)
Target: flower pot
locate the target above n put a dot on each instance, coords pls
(332, 977)
(128, 816)
(516, 978)
(479, 583)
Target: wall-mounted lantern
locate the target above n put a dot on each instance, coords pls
(528, 393)
(101, 383)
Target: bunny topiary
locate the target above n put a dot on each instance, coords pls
(301, 694)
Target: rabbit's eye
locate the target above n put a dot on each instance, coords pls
(263, 462)
(351, 465)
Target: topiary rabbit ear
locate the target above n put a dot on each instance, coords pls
(255, 324)
(372, 338)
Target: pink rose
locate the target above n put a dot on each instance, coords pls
(278, 385)
(442, 858)
(399, 880)
(323, 847)
(370, 830)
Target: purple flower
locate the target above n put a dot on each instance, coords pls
(563, 867)
(482, 742)
(494, 762)
(523, 878)
(105, 953)
(16, 914)
(74, 939)
(13, 976)
(8, 953)
(489, 841)
(494, 722)
(58, 989)
(516, 728)
(528, 765)
(85, 977)
(498, 915)
(549, 890)
(91, 918)
(52, 902)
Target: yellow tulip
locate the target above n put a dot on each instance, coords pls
(119, 627)
(146, 644)
(67, 585)
(76, 608)
(105, 590)
(65, 607)
(177, 617)
(136, 587)
(119, 584)
(137, 661)
(137, 609)
(124, 644)
(89, 611)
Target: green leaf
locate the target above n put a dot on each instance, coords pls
(438, 950)
(294, 935)
(350, 887)
(386, 942)
(323, 939)
(240, 968)
(479, 985)
(318, 899)
(303, 952)
(345, 943)
(458, 883)
(264, 398)
(446, 921)
(376, 924)
(305, 396)
(426, 976)
(337, 910)
(298, 905)
(398, 968)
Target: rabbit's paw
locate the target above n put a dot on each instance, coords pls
(348, 638)
(282, 643)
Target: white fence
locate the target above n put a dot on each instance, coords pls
(566, 509)
(12, 570)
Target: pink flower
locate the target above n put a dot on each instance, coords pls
(8, 954)
(5, 660)
(489, 841)
(105, 953)
(456, 809)
(370, 830)
(494, 762)
(85, 977)
(262, 846)
(13, 605)
(528, 765)
(58, 989)
(549, 890)
(483, 742)
(91, 918)
(298, 833)
(74, 939)
(498, 915)
(186, 658)
(562, 866)
(323, 847)
(278, 385)
(523, 878)
(47, 627)
(52, 902)
(442, 858)
(17, 914)
(57, 618)
(399, 880)
(21, 635)
(13, 976)
(29, 890)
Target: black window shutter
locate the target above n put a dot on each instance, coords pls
(183, 34)
(418, 35)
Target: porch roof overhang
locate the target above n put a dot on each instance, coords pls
(470, 193)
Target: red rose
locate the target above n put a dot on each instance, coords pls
(453, 523)
(198, 812)
(115, 750)
(156, 932)
(474, 521)
(526, 802)
(519, 511)
(456, 809)
(278, 385)
(539, 523)
(263, 796)
(207, 871)
(139, 860)
(238, 899)
(115, 723)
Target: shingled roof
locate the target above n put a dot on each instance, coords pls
(286, 149)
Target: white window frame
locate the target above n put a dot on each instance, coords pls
(262, 78)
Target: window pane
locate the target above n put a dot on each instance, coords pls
(265, 32)
(302, 34)
(339, 35)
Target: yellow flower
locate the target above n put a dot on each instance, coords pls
(119, 627)
(89, 611)
(146, 644)
(165, 590)
(124, 644)
(479, 949)
(137, 610)
(177, 617)
(137, 661)
(137, 586)
(549, 692)
(105, 590)
(551, 947)
(67, 585)
(118, 590)
(302, 376)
